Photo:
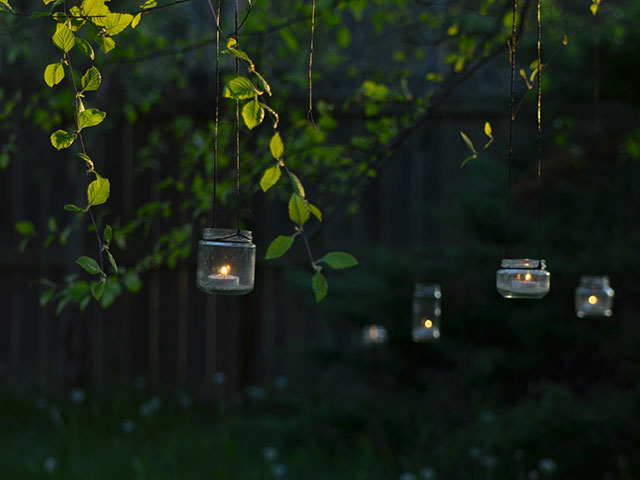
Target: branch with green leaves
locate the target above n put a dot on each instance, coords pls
(103, 26)
(252, 90)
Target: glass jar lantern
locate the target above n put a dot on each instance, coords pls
(226, 261)
(594, 297)
(373, 335)
(425, 325)
(523, 278)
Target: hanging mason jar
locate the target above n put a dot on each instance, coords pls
(226, 261)
(426, 312)
(373, 335)
(594, 297)
(523, 278)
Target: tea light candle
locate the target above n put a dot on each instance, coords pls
(524, 283)
(591, 305)
(223, 279)
(374, 335)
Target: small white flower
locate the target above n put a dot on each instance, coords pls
(50, 465)
(278, 470)
(488, 417)
(407, 476)
(155, 403)
(489, 461)
(145, 409)
(270, 454)
(281, 382)
(128, 427)
(547, 465)
(255, 393)
(474, 452)
(77, 396)
(533, 475)
(219, 378)
(427, 473)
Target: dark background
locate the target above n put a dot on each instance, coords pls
(508, 385)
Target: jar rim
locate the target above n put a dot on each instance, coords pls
(426, 288)
(231, 235)
(525, 263)
(594, 279)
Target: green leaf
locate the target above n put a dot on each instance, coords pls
(112, 261)
(468, 159)
(252, 114)
(297, 184)
(88, 161)
(6, 4)
(91, 80)
(270, 178)
(132, 282)
(468, 142)
(64, 38)
(106, 43)
(240, 88)
(111, 292)
(86, 48)
(276, 146)
(25, 228)
(61, 139)
(149, 4)
(97, 289)
(339, 260)
(35, 14)
(265, 86)
(53, 74)
(76, 18)
(107, 235)
(98, 191)
(46, 296)
(114, 23)
(298, 209)
(276, 117)
(89, 265)
(279, 246)
(315, 211)
(73, 208)
(47, 2)
(238, 53)
(61, 304)
(136, 20)
(594, 9)
(90, 118)
(487, 130)
(94, 8)
(319, 285)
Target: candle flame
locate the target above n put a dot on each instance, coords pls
(527, 277)
(224, 270)
(593, 299)
(374, 332)
(427, 323)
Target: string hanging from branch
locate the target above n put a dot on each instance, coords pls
(524, 277)
(226, 257)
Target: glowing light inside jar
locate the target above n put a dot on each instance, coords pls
(427, 323)
(593, 300)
